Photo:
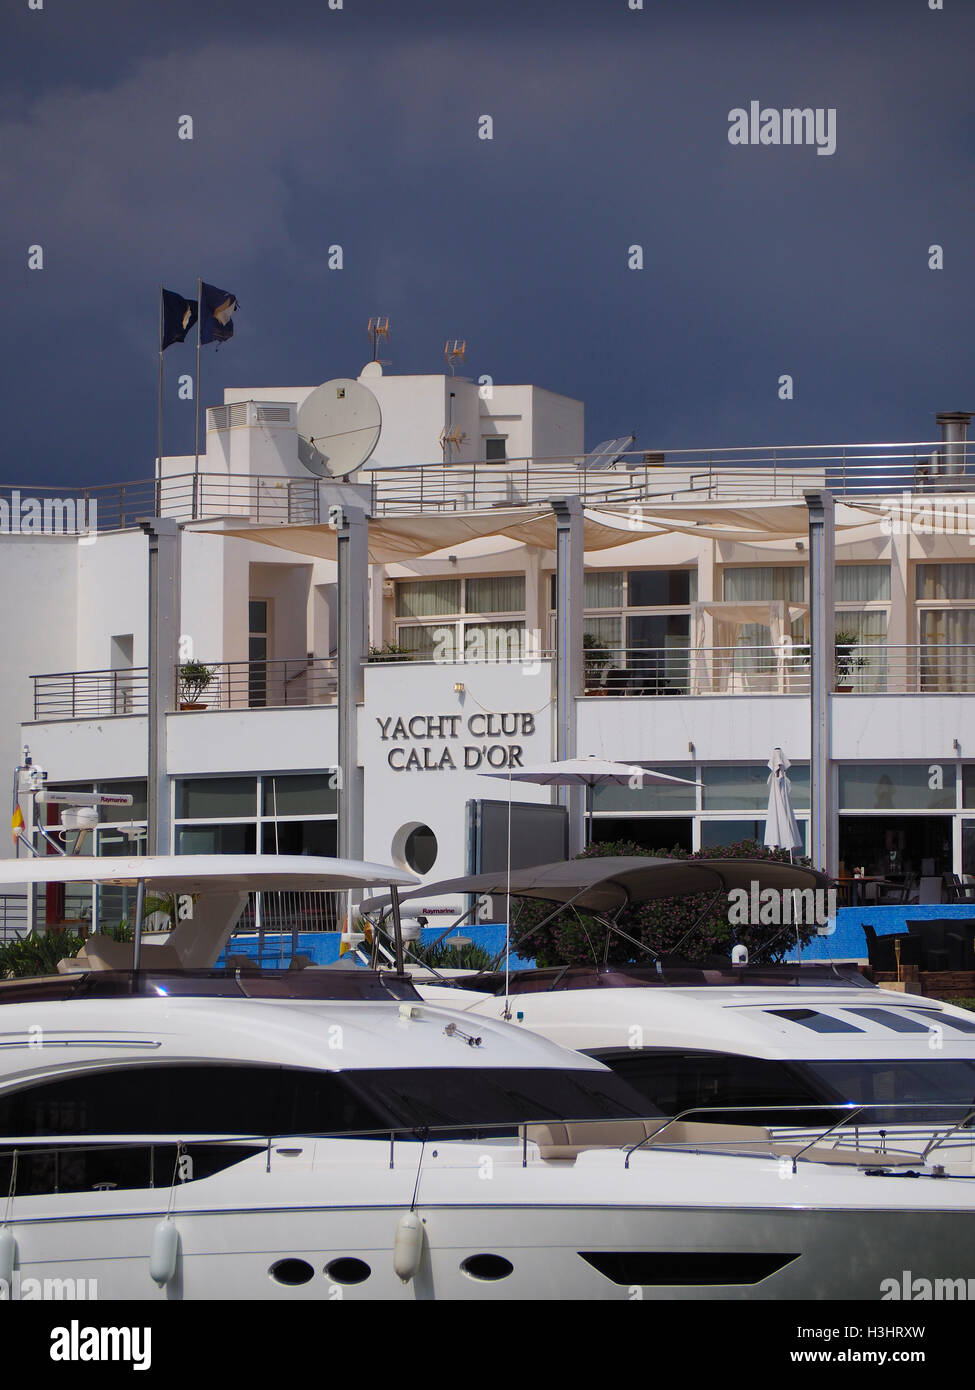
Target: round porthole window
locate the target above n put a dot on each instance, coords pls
(486, 1267)
(415, 847)
(291, 1272)
(347, 1270)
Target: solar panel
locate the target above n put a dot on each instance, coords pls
(608, 453)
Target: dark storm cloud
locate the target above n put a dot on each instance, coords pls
(359, 128)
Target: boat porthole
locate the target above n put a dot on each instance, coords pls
(347, 1270)
(486, 1267)
(291, 1272)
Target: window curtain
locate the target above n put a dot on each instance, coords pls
(945, 582)
(948, 648)
(427, 598)
(603, 589)
(759, 582)
(501, 593)
(862, 583)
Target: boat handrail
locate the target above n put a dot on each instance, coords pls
(39, 1145)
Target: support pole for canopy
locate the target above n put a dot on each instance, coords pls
(569, 568)
(164, 624)
(397, 932)
(140, 903)
(353, 581)
(822, 663)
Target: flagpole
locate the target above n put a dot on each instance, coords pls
(199, 335)
(159, 407)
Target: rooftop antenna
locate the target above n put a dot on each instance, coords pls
(378, 330)
(454, 350)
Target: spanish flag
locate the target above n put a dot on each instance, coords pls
(350, 938)
(17, 822)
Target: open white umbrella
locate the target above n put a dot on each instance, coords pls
(781, 828)
(589, 772)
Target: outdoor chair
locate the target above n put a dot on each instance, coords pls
(882, 953)
(947, 943)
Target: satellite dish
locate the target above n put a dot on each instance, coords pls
(338, 428)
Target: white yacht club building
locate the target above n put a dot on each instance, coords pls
(481, 594)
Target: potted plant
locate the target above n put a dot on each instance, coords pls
(194, 679)
(595, 661)
(389, 651)
(847, 659)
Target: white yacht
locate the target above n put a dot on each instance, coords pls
(788, 1046)
(171, 1133)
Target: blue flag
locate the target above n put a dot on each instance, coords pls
(178, 317)
(216, 307)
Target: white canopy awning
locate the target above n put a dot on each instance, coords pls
(395, 539)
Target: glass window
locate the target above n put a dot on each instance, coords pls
(648, 798)
(862, 584)
(502, 593)
(941, 583)
(494, 641)
(495, 448)
(889, 1018)
(602, 589)
(427, 598)
(217, 839)
(819, 1023)
(892, 786)
(660, 588)
(303, 795)
(679, 1081)
(744, 787)
(300, 837)
(716, 833)
(137, 789)
(759, 583)
(210, 798)
(420, 850)
(428, 642)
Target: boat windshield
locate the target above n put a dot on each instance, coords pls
(906, 1082)
(182, 1099)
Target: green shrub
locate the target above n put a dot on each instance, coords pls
(661, 925)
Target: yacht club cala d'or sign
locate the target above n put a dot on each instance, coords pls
(446, 742)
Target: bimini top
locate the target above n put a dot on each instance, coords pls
(209, 873)
(607, 884)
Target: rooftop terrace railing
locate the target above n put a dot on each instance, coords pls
(766, 473)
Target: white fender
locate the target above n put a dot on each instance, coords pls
(165, 1251)
(408, 1246)
(8, 1257)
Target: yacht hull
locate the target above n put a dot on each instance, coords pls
(592, 1229)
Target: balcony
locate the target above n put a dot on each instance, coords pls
(634, 672)
(868, 669)
(233, 685)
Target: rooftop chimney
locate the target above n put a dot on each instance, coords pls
(954, 433)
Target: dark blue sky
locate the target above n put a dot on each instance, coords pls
(359, 127)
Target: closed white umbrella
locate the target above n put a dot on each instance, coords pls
(781, 828)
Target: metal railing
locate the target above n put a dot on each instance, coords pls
(264, 684)
(860, 669)
(766, 473)
(775, 1145)
(91, 694)
(777, 472)
(866, 669)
